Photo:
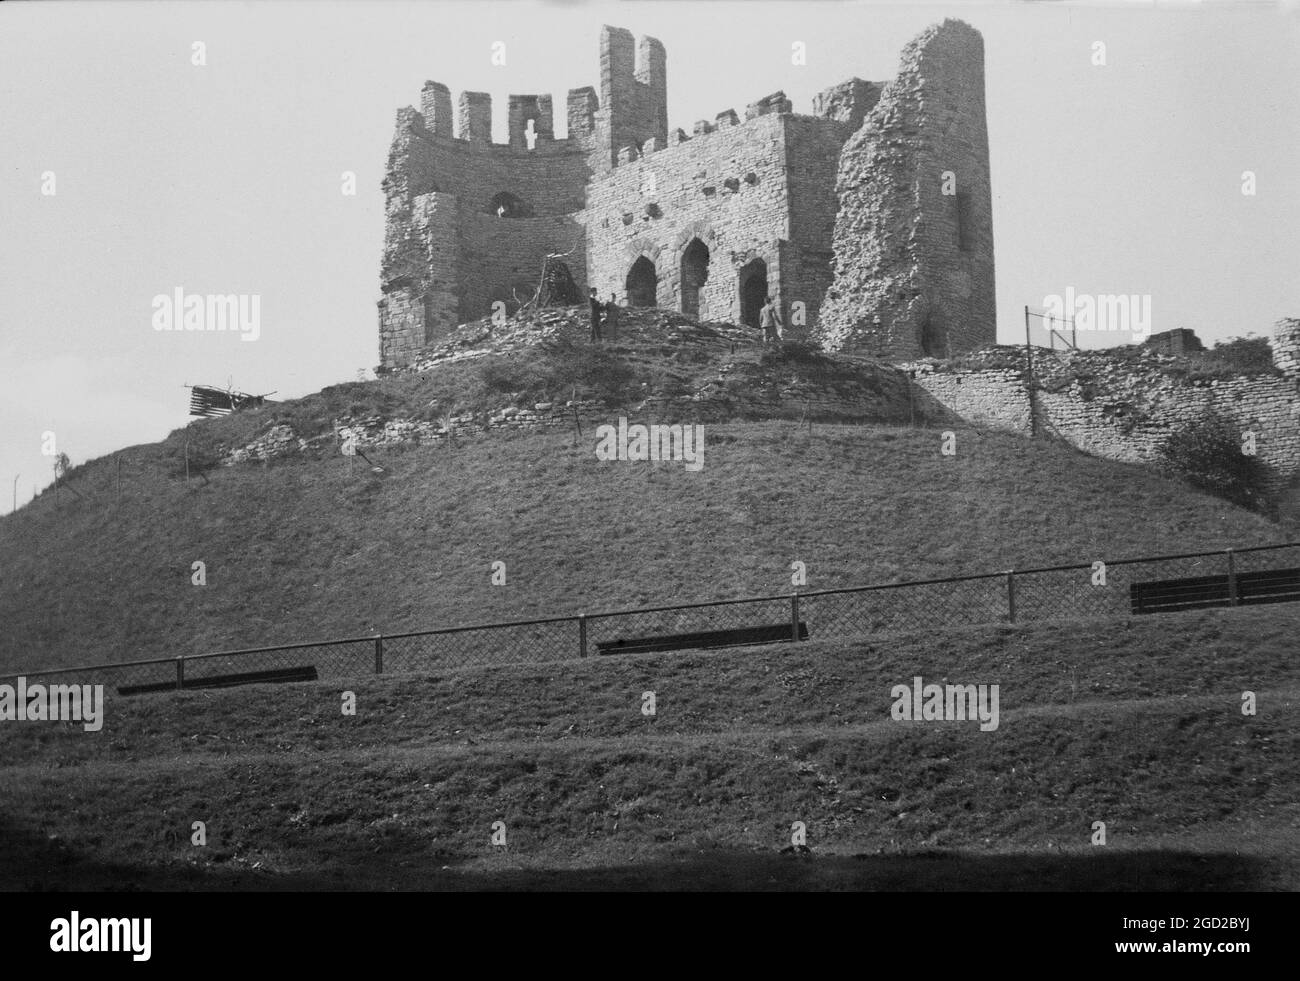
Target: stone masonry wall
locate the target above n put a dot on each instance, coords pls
(504, 257)
(913, 265)
(746, 190)
(1121, 409)
(1286, 346)
(812, 157)
(656, 205)
(447, 255)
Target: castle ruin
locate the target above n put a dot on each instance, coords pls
(868, 221)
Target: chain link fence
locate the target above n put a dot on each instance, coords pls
(905, 606)
(1268, 574)
(518, 642)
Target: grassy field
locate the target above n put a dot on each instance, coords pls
(1136, 723)
(305, 550)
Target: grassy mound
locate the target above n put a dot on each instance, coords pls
(304, 549)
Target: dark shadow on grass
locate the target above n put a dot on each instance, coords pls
(34, 862)
(30, 863)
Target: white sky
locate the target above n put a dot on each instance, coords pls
(226, 178)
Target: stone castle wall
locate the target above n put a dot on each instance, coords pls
(448, 256)
(760, 194)
(813, 149)
(730, 188)
(1121, 409)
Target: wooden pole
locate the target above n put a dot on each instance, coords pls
(1029, 355)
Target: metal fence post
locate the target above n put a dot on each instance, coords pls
(180, 671)
(794, 616)
(379, 653)
(582, 635)
(1011, 595)
(1233, 599)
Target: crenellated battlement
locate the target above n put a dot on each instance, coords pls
(775, 104)
(629, 117)
(530, 119)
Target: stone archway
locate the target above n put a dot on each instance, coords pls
(752, 280)
(934, 340)
(695, 273)
(642, 284)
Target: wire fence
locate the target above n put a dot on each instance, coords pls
(1235, 577)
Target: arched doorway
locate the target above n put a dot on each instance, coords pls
(642, 284)
(695, 272)
(753, 291)
(933, 342)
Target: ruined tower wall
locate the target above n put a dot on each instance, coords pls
(913, 270)
(416, 307)
(503, 259)
(550, 179)
(656, 205)
(447, 255)
(812, 158)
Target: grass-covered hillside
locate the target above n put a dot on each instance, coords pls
(306, 549)
(1134, 723)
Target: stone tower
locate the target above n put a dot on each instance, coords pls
(633, 95)
(913, 243)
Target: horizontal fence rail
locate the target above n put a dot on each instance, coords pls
(1196, 580)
